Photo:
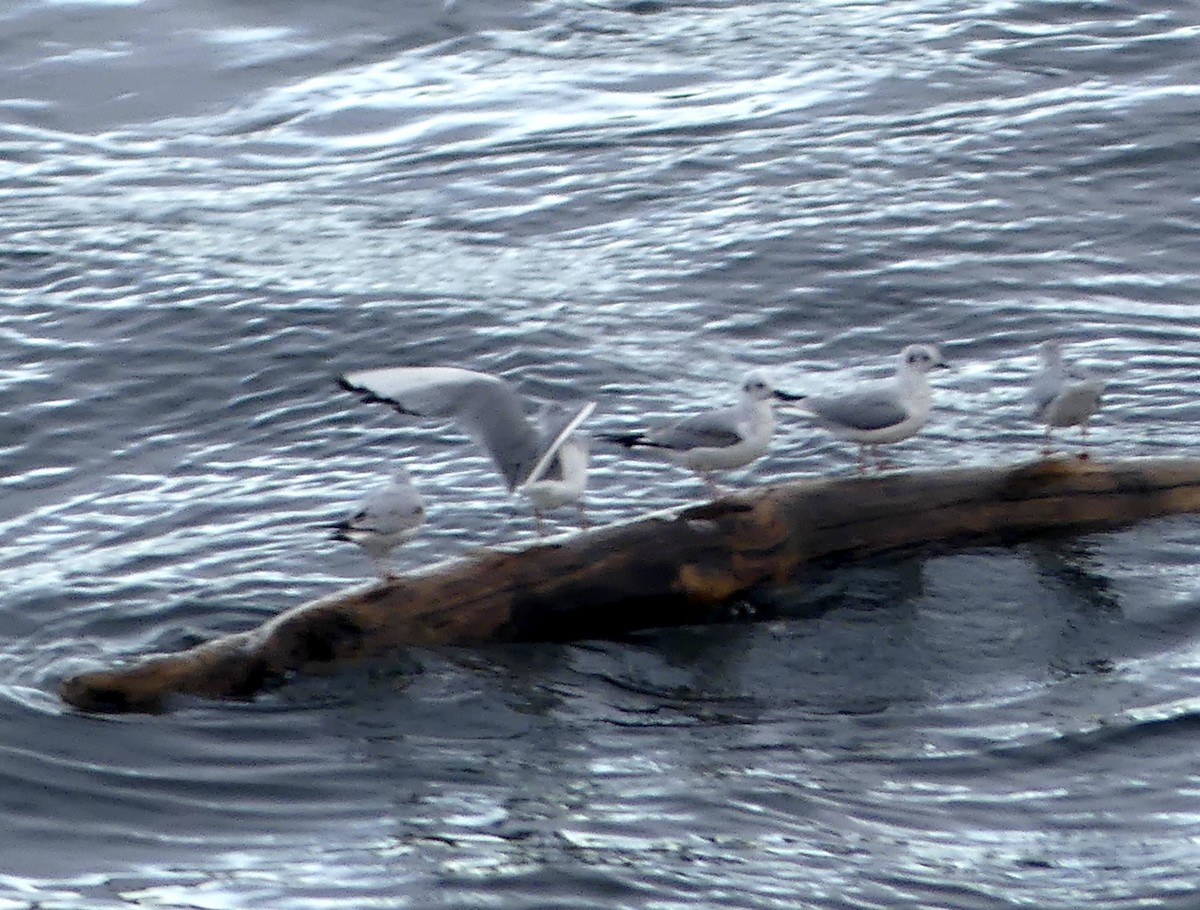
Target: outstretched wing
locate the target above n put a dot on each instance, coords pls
(485, 406)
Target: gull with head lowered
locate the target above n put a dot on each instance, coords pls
(385, 518)
(1063, 395)
(543, 459)
(881, 412)
(718, 440)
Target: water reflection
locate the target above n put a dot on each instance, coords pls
(214, 209)
(1072, 566)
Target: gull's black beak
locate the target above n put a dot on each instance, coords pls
(788, 396)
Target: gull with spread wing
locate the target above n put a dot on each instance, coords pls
(543, 459)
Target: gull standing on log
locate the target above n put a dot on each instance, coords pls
(881, 412)
(544, 460)
(716, 440)
(1063, 395)
(386, 518)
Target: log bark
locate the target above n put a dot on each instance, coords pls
(666, 568)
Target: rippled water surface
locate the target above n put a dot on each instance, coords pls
(210, 209)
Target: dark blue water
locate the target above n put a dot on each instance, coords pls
(210, 209)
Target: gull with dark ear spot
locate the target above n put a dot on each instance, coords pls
(1063, 395)
(881, 412)
(544, 459)
(385, 518)
(718, 440)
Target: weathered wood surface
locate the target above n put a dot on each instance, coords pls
(671, 567)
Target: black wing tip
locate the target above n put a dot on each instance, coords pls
(341, 529)
(630, 440)
(363, 393)
(366, 395)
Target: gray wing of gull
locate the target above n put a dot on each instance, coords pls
(1046, 387)
(556, 425)
(487, 407)
(711, 430)
(874, 409)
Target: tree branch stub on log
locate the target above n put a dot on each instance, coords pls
(666, 568)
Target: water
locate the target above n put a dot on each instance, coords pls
(211, 209)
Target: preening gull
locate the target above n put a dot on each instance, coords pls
(1063, 395)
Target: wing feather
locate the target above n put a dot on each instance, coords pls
(487, 407)
(865, 410)
(711, 430)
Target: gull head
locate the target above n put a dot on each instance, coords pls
(756, 386)
(1050, 351)
(921, 358)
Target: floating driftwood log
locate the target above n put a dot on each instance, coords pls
(667, 568)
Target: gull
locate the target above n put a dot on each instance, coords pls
(1063, 395)
(717, 440)
(881, 412)
(564, 478)
(544, 460)
(385, 518)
